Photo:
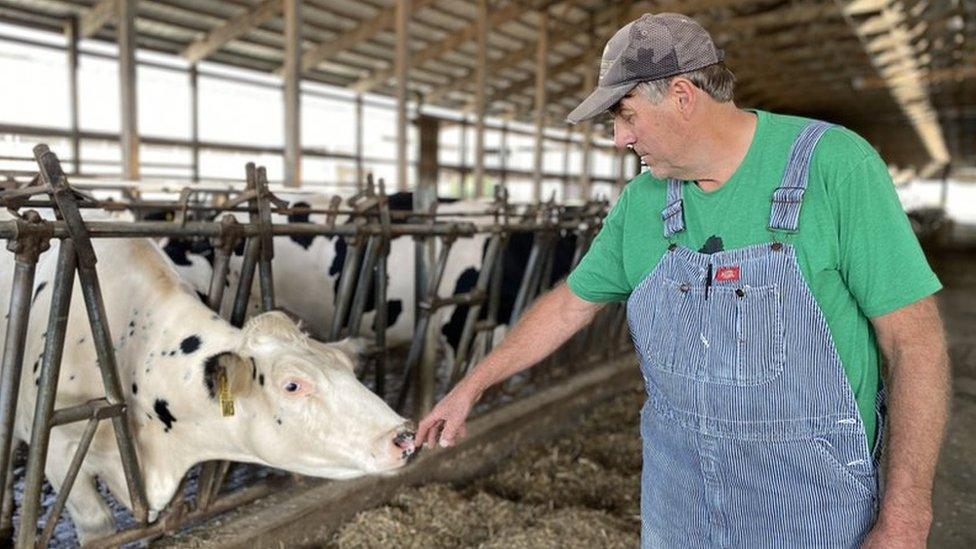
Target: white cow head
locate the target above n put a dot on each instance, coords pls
(301, 407)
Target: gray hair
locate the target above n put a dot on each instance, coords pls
(715, 80)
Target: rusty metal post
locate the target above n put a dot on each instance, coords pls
(33, 239)
(46, 392)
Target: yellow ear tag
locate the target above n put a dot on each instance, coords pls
(226, 398)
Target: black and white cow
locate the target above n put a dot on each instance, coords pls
(307, 269)
(299, 406)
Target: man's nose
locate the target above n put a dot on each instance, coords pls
(621, 136)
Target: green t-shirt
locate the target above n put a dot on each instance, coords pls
(854, 244)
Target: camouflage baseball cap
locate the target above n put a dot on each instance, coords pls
(650, 48)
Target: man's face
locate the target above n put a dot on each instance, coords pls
(653, 131)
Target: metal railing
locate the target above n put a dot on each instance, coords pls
(369, 230)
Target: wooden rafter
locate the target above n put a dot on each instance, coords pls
(510, 12)
(233, 28)
(902, 72)
(98, 16)
(366, 30)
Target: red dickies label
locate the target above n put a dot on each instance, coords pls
(727, 274)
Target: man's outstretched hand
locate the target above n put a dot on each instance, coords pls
(445, 423)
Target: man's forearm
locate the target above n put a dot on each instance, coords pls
(551, 320)
(918, 408)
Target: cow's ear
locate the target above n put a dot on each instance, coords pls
(349, 353)
(240, 373)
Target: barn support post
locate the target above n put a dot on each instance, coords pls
(33, 238)
(542, 50)
(360, 168)
(402, 65)
(293, 92)
(479, 108)
(129, 135)
(71, 36)
(194, 123)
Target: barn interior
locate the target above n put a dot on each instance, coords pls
(455, 98)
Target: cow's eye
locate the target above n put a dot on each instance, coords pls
(292, 387)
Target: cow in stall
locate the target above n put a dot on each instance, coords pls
(307, 269)
(298, 404)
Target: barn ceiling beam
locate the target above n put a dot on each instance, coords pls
(566, 32)
(233, 28)
(103, 13)
(903, 74)
(362, 32)
(559, 33)
(510, 12)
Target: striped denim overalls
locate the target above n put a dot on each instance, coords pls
(752, 437)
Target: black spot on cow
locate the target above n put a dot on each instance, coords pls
(452, 330)
(394, 308)
(203, 297)
(135, 389)
(261, 379)
(514, 263)
(277, 420)
(179, 250)
(712, 245)
(172, 353)
(71, 377)
(305, 241)
(190, 344)
(81, 340)
(211, 367)
(161, 408)
(339, 260)
(254, 368)
(36, 364)
(37, 291)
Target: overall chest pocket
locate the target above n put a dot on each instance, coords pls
(744, 328)
(667, 328)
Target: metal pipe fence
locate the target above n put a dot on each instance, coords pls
(368, 230)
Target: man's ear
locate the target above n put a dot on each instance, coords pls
(240, 373)
(685, 96)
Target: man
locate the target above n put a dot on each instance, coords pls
(766, 261)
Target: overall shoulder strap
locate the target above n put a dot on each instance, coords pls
(673, 214)
(788, 198)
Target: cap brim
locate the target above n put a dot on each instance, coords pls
(599, 101)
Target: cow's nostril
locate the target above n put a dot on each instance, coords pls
(404, 439)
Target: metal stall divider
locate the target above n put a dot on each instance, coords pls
(75, 254)
(258, 250)
(427, 309)
(491, 273)
(500, 217)
(33, 238)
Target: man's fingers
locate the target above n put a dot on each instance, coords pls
(434, 433)
(421, 435)
(450, 432)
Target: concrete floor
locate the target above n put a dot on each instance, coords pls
(955, 483)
